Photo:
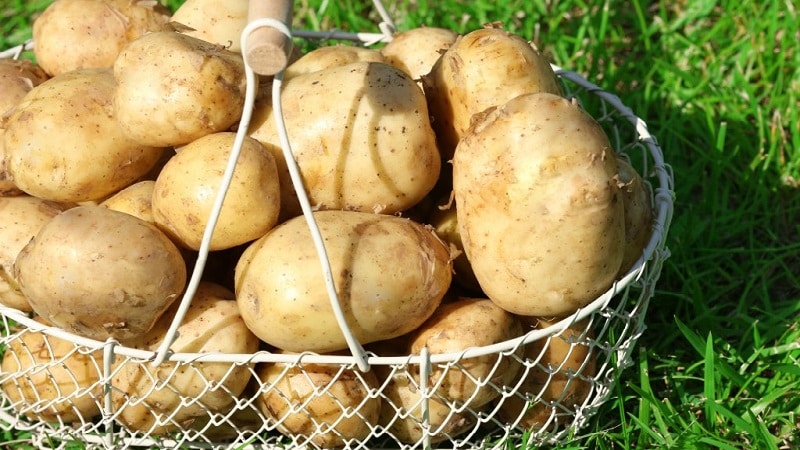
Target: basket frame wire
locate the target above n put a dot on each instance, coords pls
(644, 273)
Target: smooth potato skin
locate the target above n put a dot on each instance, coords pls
(100, 273)
(390, 275)
(330, 56)
(638, 213)
(17, 78)
(216, 22)
(539, 209)
(78, 34)
(186, 189)
(482, 69)
(415, 51)
(361, 136)
(62, 142)
(23, 216)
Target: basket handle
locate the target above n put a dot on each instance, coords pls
(268, 49)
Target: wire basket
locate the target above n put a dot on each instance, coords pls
(397, 403)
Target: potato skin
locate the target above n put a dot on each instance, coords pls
(301, 398)
(23, 216)
(361, 136)
(457, 326)
(173, 89)
(539, 209)
(560, 371)
(186, 189)
(390, 273)
(62, 142)
(330, 56)
(638, 213)
(58, 386)
(219, 23)
(100, 273)
(17, 78)
(468, 79)
(186, 392)
(78, 34)
(415, 51)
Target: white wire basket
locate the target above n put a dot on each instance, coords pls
(74, 413)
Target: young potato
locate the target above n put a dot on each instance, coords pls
(361, 136)
(638, 213)
(390, 274)
(77, 34)
(17, 78)
(560, 373)
(416, 51)
(144, 396)
(444, 221)
(62, 142)
(482, 69)
(539, 209)
(100, 273)
(136, 200)
(186, 189)
(173, 88)
(401, 411)
(23, 216)
(330, 56)
(50, 379)
(7, 186)
(457, 326)
(335, 404)
(216, 22)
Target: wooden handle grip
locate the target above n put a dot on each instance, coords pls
(267, 48)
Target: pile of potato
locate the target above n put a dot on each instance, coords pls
(463, 202)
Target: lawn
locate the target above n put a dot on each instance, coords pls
(718, 84)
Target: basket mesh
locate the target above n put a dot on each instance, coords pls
(110, 396)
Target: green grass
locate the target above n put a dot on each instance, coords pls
(718, 83)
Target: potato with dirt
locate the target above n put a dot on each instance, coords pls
(173, 88)
(186, 392)
(361, 136)
(17, 78)
(390, 274)
(100, 273)
(482, 69)
(219, 23)
(416, 51)
(78, 34)
(50, 379)
(540, 211)
(23, 216)
(63, 143)
(326, 404)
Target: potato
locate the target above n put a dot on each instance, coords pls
(330, 56)
(100, 273)
(136, 200)
(51, 379)
(186, 189)
(482, 69)
(17, 78)
(444, 220)
(77, 34)
(415, 51)
(558, 377)
(23, 216)
(173, 89)
(401, 411)
(457, 326)
(7, 186)
(361, 137)
(335, 404)
(62, 142)
(172, 395)
(216, 22)
(638, 207)
(390, 274)
(539, 209)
